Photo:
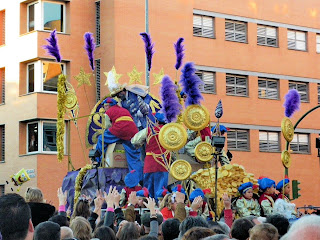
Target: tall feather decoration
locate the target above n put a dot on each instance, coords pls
(52, 47)
(148, 46)
(292, 102)
(170, 101)
(179, 47)
(90, 46)
(190, 84)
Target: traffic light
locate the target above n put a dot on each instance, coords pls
(295, 189)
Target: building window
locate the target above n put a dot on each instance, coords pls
(268, 88)
(203, 26)
(302, 89)
(297, 40)
(318, 43)
(98, 23)
(236, 31)
(50, 72)
(300, 143)
(41, 137)
(269, 141)
(209, 81)
(238, 139)
(318, 93)
(2, 142)
(98, 81)
(46, 16)
(237, 85)
(2, 27)
(267, 36)
(2, 189)
(2, 85)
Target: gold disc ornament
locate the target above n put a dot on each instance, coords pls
(196, 117)
(172, 136)
(70, 101)
(180, 169)
(287, 129)
(203, 151)
(286, 158)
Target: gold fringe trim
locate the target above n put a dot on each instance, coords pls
(60, 118)
(79, 182)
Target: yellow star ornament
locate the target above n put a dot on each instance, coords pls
(158, 77)
(115, 74)
(83, 78)
(135, 76)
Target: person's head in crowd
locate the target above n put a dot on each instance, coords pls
(246, 190)
(81, 228)
(170, 229)
(264, 231)
(34, 194)
(255, 220)
(196, 193)
(15, 218)
(284, 186)
(81, 209)
(191, 222)
(168, 202)
(129, 231)
(66, 233)
(217, 237)
(61, 220)
(145, 222)
(47, 231)
(305, 228)
(142, 195)
(280, 222)
(196, 233)
(104, 233)
(267, 186)
(240, 229)
(219, 227)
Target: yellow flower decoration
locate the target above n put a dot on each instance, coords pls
(115, 74)
(135, 76)
(158, 77)
(83, 78)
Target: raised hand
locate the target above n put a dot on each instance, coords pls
(62, 196)
(98, 201)
(133, 198)
(109, 198)
(151, 205)
(226, 200)
(180, 197)
(196, 204)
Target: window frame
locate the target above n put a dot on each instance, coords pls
(268, 141)
(295, 40)
(98, 26)
(98, 79)
(267, 89)
(298, 144)
(202, 35)
(239, 86)
(317, 43)
(40, 138)
(266, 36)
(236, 130)
(301, 83)
(234, 31)
(38, 79)
(202, 86)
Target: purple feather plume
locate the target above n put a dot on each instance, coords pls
(170, 101)
(90, 46)
(179, 47)
(52, 47)
(190, 83)
(148, 45)
(292, 102)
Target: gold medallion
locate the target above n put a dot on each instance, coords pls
(172, 136)
(287, 129)
(180, 169)
(70, 101)
(196, 117)
(286, 158)
(203, 151)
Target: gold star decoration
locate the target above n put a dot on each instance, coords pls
(115, 74)
(158, 77)
(135, 76)
(83, 78)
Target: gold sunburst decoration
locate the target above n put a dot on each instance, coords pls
(83, 78)
(196, 117)
(135, 76)
(173, 136)
(116, 75)
(180, 169)
(286, 158)
(287, 129)
(158, 77)
(204, 151)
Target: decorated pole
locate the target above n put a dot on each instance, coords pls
(147, 31)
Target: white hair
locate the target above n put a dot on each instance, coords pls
(66, 233)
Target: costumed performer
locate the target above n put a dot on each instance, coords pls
(283, 205)
(120, 129)
(266, 200)
(131, 181)
(224, 157)
(155, 172)
(203, 210)
(246, 204)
